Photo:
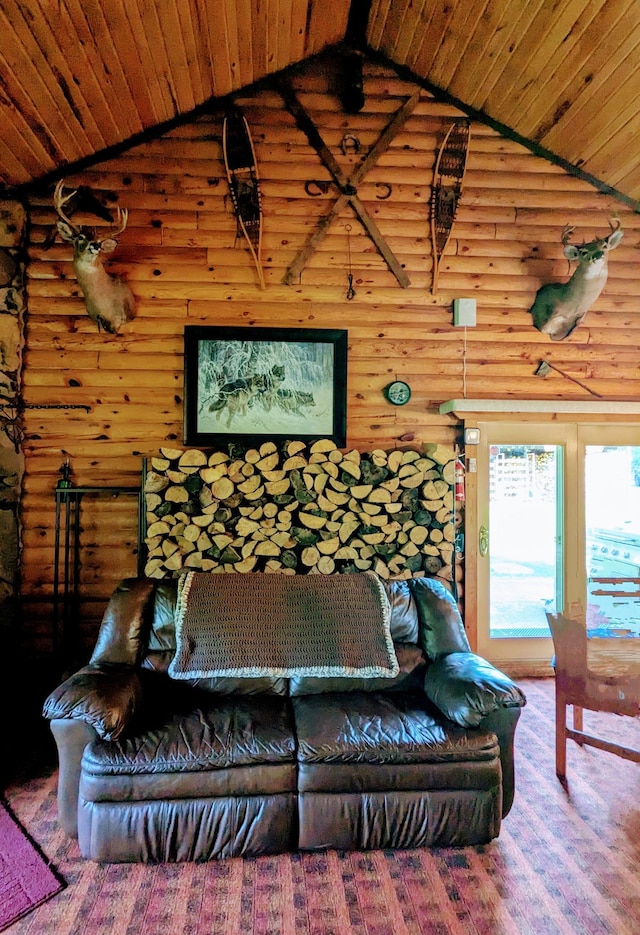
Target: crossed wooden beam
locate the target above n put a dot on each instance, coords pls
(348, 186)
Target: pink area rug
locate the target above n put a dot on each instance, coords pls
(26, 880)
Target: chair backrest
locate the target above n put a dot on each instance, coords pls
(570, 644)
(599, 679)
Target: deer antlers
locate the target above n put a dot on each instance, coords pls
(60, 200)
(614, 227)
(566, 233)
(614, 224)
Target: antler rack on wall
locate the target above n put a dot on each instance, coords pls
(448, 176)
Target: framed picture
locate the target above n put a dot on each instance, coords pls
(255, 384)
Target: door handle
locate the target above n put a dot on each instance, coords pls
(483, 541)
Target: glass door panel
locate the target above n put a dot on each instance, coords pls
(525, 539)
(522, 515)
(612, 522)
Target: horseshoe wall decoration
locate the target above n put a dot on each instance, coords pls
(322, 187)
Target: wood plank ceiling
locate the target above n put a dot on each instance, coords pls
(565, 75)
(81, 76)
(78, 76)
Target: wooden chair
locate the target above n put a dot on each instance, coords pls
(597, 674)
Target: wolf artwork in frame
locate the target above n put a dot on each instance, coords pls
(253, 384)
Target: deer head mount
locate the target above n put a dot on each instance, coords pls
(108, 298)
(561, 307)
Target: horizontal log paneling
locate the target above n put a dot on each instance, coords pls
(179, 256)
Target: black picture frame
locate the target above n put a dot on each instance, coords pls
(257, 384)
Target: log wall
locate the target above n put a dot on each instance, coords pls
(12, 264)
(179, 255)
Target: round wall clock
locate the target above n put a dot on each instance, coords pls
(398, 393)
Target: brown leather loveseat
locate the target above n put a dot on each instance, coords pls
(155, 768)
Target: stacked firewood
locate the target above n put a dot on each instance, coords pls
(301, 509)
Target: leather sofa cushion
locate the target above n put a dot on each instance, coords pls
(215, 734)
(383, 728)
(269, 779)
(366, 778)
(412, 663)
(404, 614)
(125, 623)
(441, 627)
(162, 636)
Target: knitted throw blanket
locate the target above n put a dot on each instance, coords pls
(251, 625)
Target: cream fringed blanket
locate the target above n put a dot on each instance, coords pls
(251, 625)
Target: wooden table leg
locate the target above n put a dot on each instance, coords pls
(578, 723)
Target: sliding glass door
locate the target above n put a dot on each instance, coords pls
(558, 529)
(612, 523)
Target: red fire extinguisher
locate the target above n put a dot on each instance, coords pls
(459, 481)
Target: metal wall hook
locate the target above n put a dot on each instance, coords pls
(351, 292)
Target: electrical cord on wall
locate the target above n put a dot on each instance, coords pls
(464, 364)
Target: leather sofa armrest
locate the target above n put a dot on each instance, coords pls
(71, 736)
(466, 688)
(105, 697)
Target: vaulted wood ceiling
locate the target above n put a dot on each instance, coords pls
(80, 76)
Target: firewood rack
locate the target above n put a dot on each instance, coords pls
(67, 559)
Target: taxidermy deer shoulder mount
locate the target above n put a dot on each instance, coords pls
(561, 307)
(108, 298)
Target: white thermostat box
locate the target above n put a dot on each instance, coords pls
(464, 313)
